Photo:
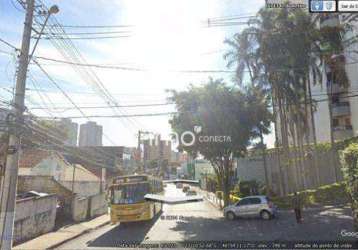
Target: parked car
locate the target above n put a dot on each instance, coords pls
(251, 206)
(191, 193)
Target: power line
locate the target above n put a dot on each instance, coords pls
(104, 66)
(173, 113)
(68, 50)
(84, 38)
(90, 33)
(109, 106)
(115, 116)
(90, 26)
(66, 95)
(9, 44)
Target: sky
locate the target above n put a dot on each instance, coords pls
(164, 36)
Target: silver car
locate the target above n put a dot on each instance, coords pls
(251, 206)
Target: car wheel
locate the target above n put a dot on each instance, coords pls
(230, 215)
(265, 215)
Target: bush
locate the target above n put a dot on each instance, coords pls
(349, 159)
(325, 195)
(246, 188)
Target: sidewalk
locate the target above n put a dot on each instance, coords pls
(65, 234)
(211, 197)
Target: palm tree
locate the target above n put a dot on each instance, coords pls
(282, 52)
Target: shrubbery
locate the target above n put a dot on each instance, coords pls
(349, 159)
(325, 195)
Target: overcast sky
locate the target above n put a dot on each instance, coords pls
(165, 35)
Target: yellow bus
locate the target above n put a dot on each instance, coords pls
(127, 202)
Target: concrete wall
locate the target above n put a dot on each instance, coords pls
(47, 184)
(292, 177)
(79, 209)
(83, 188)
(98, 205)
(34, 216)
(89, 207)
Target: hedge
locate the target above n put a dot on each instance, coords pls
(332, 194)
(349, 160)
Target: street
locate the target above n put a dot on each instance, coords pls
(201, 221)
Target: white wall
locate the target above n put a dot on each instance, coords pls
(321, 116)
(34, 216)
(352, 71)
(83, 188)
(202, 167)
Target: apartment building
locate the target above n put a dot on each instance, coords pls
(343, 116)
(90, 134)
(157, 149)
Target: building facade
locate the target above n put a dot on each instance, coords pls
(90, 134)
(71, 131)
(157, 150)
(335, 102)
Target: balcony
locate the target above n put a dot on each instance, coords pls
(336, 89)
(341, 109)
(342, 132)
(329, 20)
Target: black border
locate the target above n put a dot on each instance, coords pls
(327, 12)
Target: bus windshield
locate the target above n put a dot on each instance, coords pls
(130, 193)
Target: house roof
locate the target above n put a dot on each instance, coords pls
(29, 158)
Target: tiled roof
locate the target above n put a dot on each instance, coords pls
(29, 158)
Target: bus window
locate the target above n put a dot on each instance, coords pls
(129, 194)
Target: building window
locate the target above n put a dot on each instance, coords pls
(335, 99)
(335, 122)
(347, 121)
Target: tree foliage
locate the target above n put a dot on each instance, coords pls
(229, 113)
(284, 50)
(349, 158)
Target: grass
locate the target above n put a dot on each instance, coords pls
(332, 194)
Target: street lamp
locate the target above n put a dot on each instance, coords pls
(53, 10)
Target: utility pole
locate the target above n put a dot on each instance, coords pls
(263, 148)
(140, 133)
(139, 151)
(73, 177)
(8, 199)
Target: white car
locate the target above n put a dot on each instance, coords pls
(251, 206)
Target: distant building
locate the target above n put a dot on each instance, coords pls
(203, 169)
(90, 134)
(71, 131)
(129, 160)
(157, 150)
(344, 108)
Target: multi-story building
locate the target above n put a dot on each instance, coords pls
(90, 134)
(157, 149)
(71, 131)
(343, 114)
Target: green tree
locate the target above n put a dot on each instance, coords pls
(221, 111)
(283, 50)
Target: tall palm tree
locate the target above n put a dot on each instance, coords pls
(282, 52)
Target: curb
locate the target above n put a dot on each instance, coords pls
(78, 235)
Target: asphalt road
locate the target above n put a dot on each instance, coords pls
(201, 221)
